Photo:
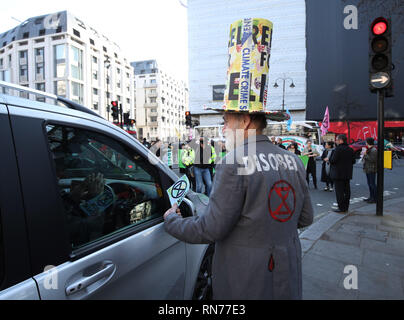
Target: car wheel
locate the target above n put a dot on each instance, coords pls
(203, 286)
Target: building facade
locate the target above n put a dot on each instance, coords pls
(60, 54)
(208, 52)
(161, 103)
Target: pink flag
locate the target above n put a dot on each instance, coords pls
(326, 123)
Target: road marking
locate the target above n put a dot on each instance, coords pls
(320, 205)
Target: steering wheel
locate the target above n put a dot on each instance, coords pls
(103, 202)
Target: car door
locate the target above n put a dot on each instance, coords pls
(94, 208)
(15, 275)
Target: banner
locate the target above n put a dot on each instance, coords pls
(247, 75)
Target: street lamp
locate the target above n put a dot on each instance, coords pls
(107, 65)
(284, 82)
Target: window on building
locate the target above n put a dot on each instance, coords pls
(76, 33)
(218, 92)
(95, 75)
(153, 100)
(153, 81)
(95, 105)
(95, 59)
(39, 64)
(92, 42)
(60, 60)
(60, 88)
(76, 63)
(78, 154)
(77, 92)
(95, 91)
(23, 73)
(42, 32)
(40, 87)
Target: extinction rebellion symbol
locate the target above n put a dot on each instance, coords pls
(179, 189)
(281, 199)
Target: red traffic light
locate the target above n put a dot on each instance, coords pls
(379, 26)
(187, 113)
(114, 103)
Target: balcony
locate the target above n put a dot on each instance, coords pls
(153, 114)
(151, 105)
(150, 85)
(152, 95)
(152, 123)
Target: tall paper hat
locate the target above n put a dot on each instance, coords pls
(247, 75)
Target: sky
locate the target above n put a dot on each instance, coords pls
(144, 29)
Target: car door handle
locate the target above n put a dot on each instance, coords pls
(87, 281)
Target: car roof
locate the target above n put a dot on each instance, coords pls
(53, 108)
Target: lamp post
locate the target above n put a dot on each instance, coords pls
(107, 65)
(284, 82)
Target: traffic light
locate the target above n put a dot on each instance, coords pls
(380, 56)
(188, 119)
(126, 120)
(114, 108)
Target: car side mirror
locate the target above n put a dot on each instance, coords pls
(187, 208)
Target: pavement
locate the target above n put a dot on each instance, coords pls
(373, 245)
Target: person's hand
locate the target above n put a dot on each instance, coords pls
(95, 184)
(173, 209)
(326, 159)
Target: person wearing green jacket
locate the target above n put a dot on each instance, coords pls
(181, 165)
(188, 159)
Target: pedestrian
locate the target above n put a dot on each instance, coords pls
(146, 144)
(297, 151)
(203, 157)
(188, 158)
(312, 153)
(255, 209)
(326, 167)
(212, 159)
(370, 169)
(181, 165)
(294, 149)
(279, 142)
(341, 171)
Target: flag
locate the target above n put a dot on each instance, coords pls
(325, 126)
(305, 160)
(290, 121)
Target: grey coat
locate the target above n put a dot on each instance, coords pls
(255, 209)
(370, 161)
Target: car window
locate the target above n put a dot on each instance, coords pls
(105, 186)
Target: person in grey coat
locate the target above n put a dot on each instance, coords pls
(370, 169)
(259, 200)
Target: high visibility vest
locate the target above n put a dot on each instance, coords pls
(213, 156)
(180, 161)
(188, 157)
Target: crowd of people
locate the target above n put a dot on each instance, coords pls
(337, 167)
(196, 159)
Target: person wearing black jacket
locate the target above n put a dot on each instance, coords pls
(341, 171)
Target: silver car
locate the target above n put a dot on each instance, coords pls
(81, 206)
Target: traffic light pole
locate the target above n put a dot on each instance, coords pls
(380, 152)
(121, 115)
